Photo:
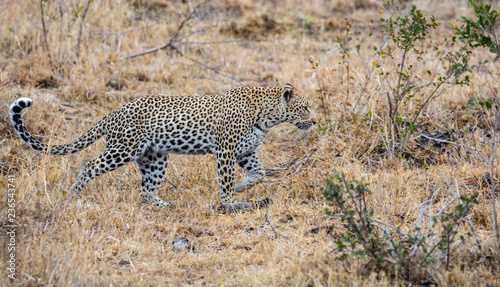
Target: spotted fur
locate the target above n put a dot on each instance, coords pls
(231, 125)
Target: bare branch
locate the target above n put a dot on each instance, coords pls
(215, 70)
(423, 207)
(172, 39)
(169, 44)
(202, 30)
(391, 226)
(417, 87)
(61, 15)
(85, 9)
(389, 235)
(390, 106)
(437, 214)
(397, 97)
(44, 30)
(429, 98)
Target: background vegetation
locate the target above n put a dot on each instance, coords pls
(404, 118)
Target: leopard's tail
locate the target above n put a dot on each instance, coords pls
(84, 141)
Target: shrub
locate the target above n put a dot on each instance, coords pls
(387, 247)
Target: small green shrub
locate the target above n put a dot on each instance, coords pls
(386, 247)
(483, 33)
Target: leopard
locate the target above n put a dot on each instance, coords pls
(231, 125)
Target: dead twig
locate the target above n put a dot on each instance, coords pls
(85, 9)
(391, 226)
(202, 30)
(288, 167)
(433, 139)
(171, 183)
(61, 15)
(390, 106)
(305, 160)
(389, 235)
(276, 233)
(7, 82)
(44, 30)
(268, 220)
(170, 43)
(216, 70)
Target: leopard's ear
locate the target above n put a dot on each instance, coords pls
(288, 95)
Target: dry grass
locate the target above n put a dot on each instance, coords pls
(111, 238)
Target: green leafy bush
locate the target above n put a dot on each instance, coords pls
(483, 33)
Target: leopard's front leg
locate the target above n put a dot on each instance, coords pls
(252, 165)
(226, 169)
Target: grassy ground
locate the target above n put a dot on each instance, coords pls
(111, 238)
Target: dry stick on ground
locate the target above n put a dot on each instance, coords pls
(313, 150)
(170, 43)
(276, 233)
(434, 139)
(426, 205)
(292, 165)
(85, 9)
(268, 220)
(44, 30)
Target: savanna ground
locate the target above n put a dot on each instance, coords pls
(111, 238)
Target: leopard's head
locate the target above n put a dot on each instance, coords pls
(297, 109)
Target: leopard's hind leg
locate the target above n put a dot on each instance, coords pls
(153, 166)
(111, 159)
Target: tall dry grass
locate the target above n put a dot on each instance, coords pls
(111, 238)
